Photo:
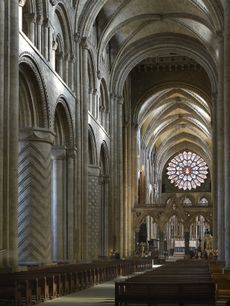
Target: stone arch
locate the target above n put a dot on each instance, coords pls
(157, 44)
(67, 32)
(33, 108)
(33, 16)
(92, 147)
(92, 106)
(85, 21)
(104, 158)
(62, 161)
(63, 42)
(103, 105)
(63, 124)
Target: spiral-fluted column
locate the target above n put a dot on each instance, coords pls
(34, 207)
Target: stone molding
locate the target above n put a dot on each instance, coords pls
(36, 134)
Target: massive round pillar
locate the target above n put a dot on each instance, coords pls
(9, 27)
(227, 130)
(34, 207)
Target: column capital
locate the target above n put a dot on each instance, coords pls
(21, 2)
(99, 74)
(77, 37)
(118, 98)
(40, 19)
(36, 134)
(103, 179)
(84, 42)
(219, 36)
(58, 152)
(214, 96)
(30, 17)
(53, 2)
(71, 152)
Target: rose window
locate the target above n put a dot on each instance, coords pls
(187, 170)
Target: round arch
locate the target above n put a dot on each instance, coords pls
(33, 110)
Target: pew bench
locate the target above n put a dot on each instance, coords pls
(169, 292)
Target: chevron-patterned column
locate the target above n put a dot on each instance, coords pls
(34, 207)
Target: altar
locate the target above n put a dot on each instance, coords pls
(179, 248)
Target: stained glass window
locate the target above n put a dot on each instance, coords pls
(187, 170)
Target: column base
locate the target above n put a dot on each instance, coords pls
(226, 270)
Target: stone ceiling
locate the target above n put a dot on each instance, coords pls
(181, 37)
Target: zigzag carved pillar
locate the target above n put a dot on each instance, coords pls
(34, 207)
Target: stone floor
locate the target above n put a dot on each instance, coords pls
(102, 294)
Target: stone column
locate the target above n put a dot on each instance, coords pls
(115, 209)
(118, 209)
(227, 130)
(71, 72)
(94, 213)
(30, 20)
(219, 236)
(214, 166)
(45, 40)
(39, 33)
(78, 250)
(71, 201)
(58, 212)
(119, 166)
(9, 27)
(34, 207)
(95, 103)
(84, 144)
(21, 3)
(66, 69)
(103, 214)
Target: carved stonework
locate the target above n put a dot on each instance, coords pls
(53, 2)
(34, 172)
(38, 134)
(168, 63)
(21, 2)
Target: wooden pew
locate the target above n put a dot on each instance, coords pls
(180, 283)
(169, 292)
(42, 283)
